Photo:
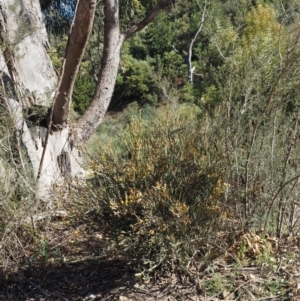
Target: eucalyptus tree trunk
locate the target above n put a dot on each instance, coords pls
(113, 42)
(29, 82)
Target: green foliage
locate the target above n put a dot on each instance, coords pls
(244, 139)
(244, 28)
(162, 195)
(154, 45)
(131, 11)
(259, 112)
(275, 287)
(214, 286)
(135, 83)
(57, 51)
(263, 38)
(83, 89)
(210, 98)
(164, 180)
(159, 36)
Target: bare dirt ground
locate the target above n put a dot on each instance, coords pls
(78, 263)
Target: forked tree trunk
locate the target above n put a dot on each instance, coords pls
(28, 80)
(113, 42)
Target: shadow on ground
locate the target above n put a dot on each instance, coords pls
(81, 265)
(85, 280)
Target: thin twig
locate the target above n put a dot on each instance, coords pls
(276, 195)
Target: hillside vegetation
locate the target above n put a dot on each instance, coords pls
(192, 185)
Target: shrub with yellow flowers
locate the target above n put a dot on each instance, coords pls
(159, 192)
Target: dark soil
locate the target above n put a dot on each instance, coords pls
(78, 263)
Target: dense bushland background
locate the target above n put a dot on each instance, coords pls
(176, 164)
(218, 154)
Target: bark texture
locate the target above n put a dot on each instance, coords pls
(113, 41)
(80, 32)
(28, 79)
(24, 37)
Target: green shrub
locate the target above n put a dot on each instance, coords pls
(83, 89)
(134, 83)
(163, 195)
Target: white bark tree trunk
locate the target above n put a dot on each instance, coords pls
(113, 42)
(29, 79)
(191, 68)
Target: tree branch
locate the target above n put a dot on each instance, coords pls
(78, 38)
(190, 68)
(113, 41)
(148, 19)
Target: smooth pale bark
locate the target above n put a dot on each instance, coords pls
(113, 41)
(26, 69)
(24, 34)
(191, 69)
